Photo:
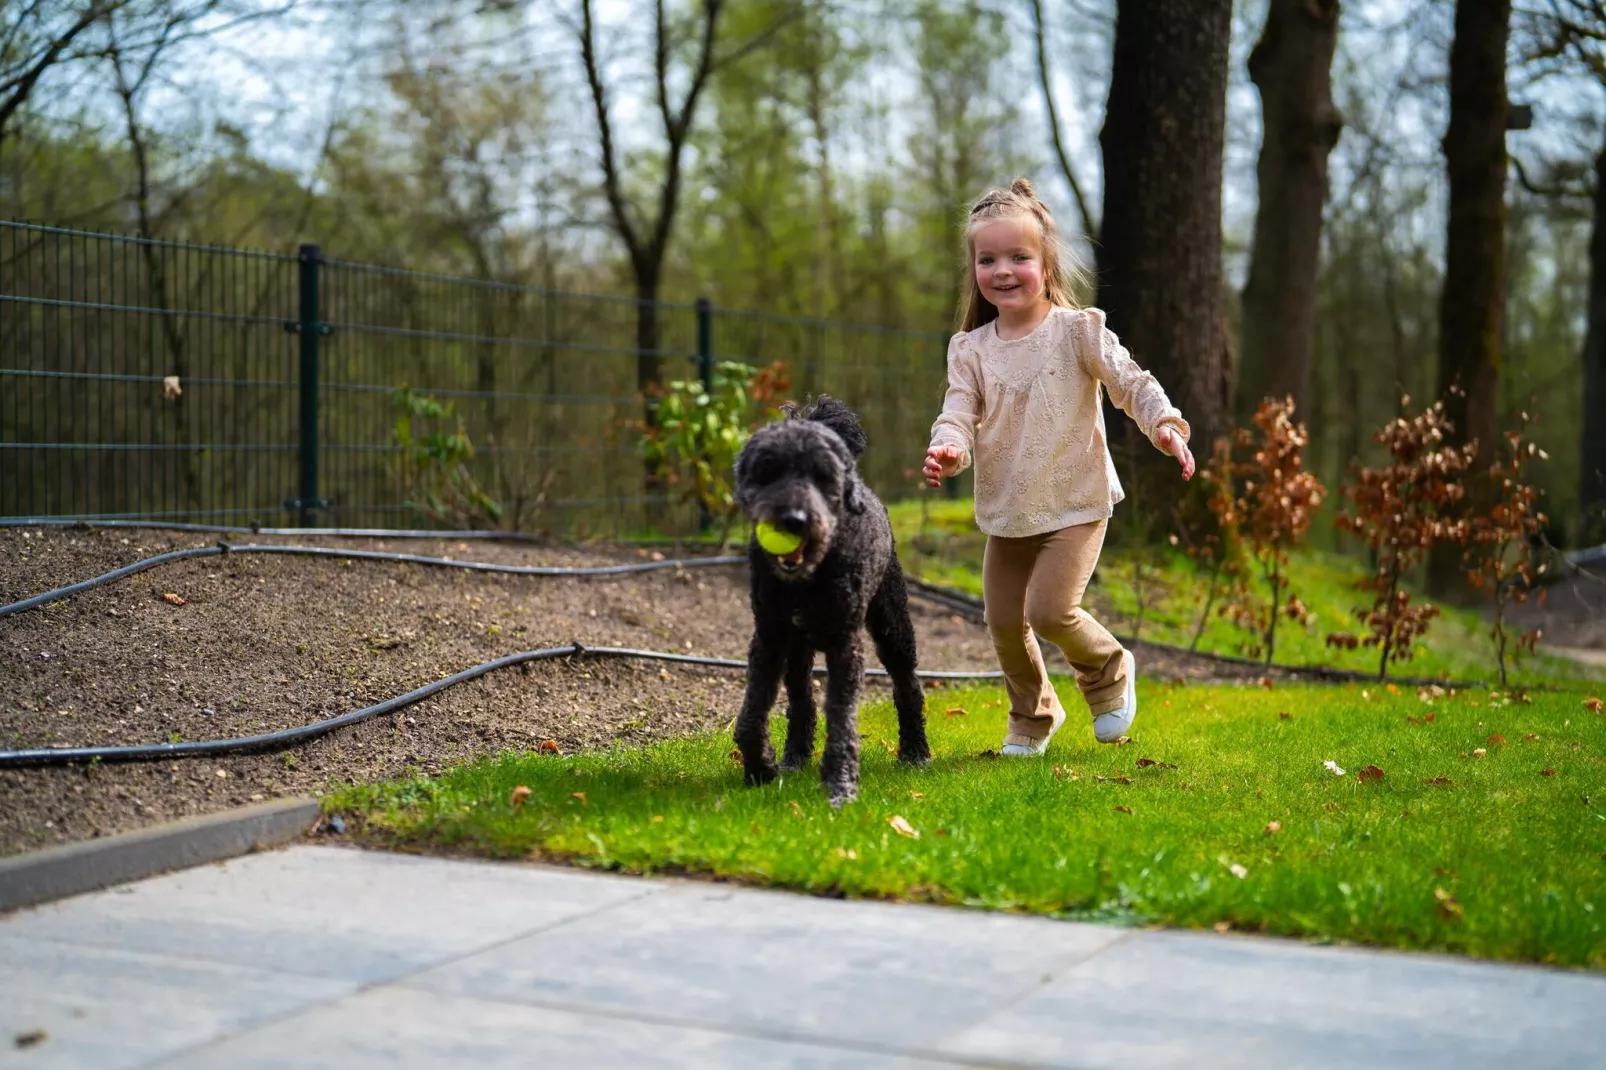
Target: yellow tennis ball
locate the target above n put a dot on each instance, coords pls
(775, 541)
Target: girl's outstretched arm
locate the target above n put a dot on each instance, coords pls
(1136, 392)
(953, 436)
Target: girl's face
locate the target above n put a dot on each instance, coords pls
(1008, 259)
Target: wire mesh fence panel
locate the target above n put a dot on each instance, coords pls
(162, 380)
(143, 378)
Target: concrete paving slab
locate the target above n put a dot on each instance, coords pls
(1167, 999)
(400, 1029)
(788, 965)
(112, 1009)
(326, 912)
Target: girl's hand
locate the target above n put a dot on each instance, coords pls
(940, 461)
(1172, 443)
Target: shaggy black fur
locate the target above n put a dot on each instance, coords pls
(798, 474)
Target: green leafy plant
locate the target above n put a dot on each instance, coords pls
(431, 462)
(696, 432)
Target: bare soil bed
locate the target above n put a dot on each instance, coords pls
(264, 642)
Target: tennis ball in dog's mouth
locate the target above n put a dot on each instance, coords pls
(775, 541)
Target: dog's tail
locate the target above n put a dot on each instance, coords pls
(836, 415)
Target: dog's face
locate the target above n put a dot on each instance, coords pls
(798, 476)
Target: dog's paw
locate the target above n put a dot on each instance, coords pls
(920, 755)
(758, 773)
(840, 795)
(791, 763)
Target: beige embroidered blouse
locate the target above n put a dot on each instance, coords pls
(1028, 411)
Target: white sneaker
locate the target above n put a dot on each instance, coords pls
(1111, 726)
(1032, 748)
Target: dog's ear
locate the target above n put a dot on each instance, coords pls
(739, 478)
(853, 493)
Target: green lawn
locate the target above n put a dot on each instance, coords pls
(939, 543)
(1499, 854)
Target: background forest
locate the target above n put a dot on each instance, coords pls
(1343, 203)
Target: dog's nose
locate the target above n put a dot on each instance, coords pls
(793, 522)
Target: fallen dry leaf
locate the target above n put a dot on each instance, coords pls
(1594, 705)
(1497, 740)
(1124, 740)
(1284, 715)
(1333, 768)
(1112, 779)
(1123, 809)
(1547, 772)
(736, 756)
(1144, 763)
(548, 745)
(1394, 689)
(1448, 907)
(173, 599)
(1430, 717)
(1273, 827)
(578, 795)
(1530, 737)
(1370, 773)
(171, 388)
(797, 810)
(520, 794)
(902, 827)
(1479, 752)
(658, 819)
(1439, 782)
(954, 711)
(1265, 681)
(1238, 870)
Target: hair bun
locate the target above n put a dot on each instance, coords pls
(1023, 187)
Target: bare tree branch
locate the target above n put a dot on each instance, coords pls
(16, 88)
(1090, 226)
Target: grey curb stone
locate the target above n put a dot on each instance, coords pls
(75, 868)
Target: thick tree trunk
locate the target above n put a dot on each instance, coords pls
(1472, 305)
(1592, 457)
(1292, 67)
(1160, 278)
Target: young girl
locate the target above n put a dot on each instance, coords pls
(1023, 400)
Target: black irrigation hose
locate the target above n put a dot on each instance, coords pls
(366, 555)
(41, 757)
(84, 524)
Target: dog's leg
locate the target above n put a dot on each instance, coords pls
(839, 768)
(800, 714)
(894, 636)
(764, 665)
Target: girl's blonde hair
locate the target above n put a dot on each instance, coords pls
(1062, 276)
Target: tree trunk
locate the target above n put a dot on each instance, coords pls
(1160, 278)
(1592, 458)
(1292, 67)
(1472, 304)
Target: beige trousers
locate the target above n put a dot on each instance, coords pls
(1035, 584)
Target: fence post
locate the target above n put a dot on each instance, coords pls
(705, 372)
(311, 329)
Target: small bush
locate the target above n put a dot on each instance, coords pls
(1269, 503)
(696, 433)
(1498, 557)
(432, 463)
(1402, 510)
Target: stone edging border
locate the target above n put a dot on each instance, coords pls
(74, 868)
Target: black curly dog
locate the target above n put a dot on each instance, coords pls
(798, 474)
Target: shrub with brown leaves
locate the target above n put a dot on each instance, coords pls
(1270, 509)
(1402, 510)
(1498, 557)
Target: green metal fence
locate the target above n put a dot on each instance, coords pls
(200, 383)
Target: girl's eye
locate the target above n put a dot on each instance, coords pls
(984, 261)
(1022, 257)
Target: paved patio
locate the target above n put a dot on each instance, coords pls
(329, 957)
